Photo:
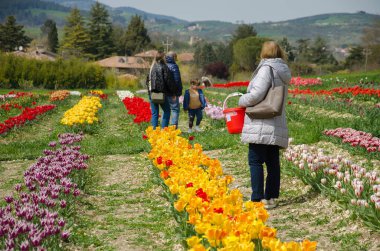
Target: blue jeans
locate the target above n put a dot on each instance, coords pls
(174, 108)
(259, 154)
(195, 113)
(155, 108)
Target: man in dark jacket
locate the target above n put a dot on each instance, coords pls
(174, 102)
(160, 79)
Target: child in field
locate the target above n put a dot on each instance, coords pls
(194, 102)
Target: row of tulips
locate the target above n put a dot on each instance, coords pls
(216, 216)
(28, 114)
(15, 95)
(139, 107)
(124, 94)
(19, 102)
(34, 217)
(59, 95)
(337, 176)
(99, 93)
(9, 106)
(296, 81)
(354, 91)
(231, 84)
(356, 138)
(84, 112)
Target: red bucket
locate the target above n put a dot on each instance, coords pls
(234, 116)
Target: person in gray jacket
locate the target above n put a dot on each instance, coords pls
(266, 136)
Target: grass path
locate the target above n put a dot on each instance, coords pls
(11, 173)
(124, 210)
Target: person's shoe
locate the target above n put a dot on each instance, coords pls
(269, 204)
(190, 130)
(197, 129)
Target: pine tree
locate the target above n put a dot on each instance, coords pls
(100, 31)
(12, 35)
(244, 31)
(303, 50)
(320, 53)
(49, 29)
(118, 33)
(136, 37)
(356, 56)
(204, 55)
(76, 39)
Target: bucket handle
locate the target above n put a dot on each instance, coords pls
(234, 94)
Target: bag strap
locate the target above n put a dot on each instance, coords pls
(272, 75)
(279, 76)
(150, 77)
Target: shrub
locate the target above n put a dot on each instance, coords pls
(74, 73)
(217, 69)
(299, 69)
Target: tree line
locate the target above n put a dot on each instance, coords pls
(94, 38)
(306, 56)
(20, 72)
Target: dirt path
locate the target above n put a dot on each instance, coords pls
(303, 213)
(124, 210)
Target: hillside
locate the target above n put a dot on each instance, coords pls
(338, 28)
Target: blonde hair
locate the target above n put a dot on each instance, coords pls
(271, 49)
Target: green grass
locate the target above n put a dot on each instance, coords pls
(146, 229)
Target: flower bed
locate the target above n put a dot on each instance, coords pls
(298, 81)
(59, 95)
(138, 107)
(213, 215)
(356, 138)
(34, 218)
(75, 93)
(124, 94)
(352, 91)
(347, 182)
(231, 84)
(15, 95)
(28, 114)
(84, 112)
(99, 93)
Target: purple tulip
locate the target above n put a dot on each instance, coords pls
(63, 204)
(65, 235)
(24, 246)
(61, 222)
(53, 144)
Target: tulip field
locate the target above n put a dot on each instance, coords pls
(83, 170)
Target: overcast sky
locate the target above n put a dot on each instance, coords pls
(249, 11)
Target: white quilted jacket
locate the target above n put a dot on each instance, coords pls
(273, 131)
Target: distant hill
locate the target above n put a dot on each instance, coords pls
(338, 28)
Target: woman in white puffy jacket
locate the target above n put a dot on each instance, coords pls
(266, 136)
